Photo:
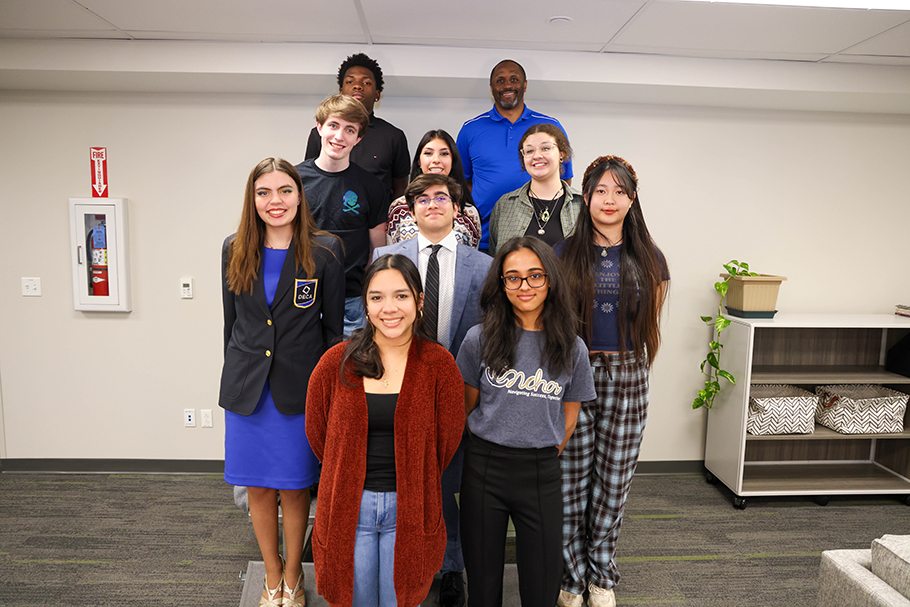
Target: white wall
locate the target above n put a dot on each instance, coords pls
(821, 198)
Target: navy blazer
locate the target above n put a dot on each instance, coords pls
(283, 343)
(471, 267)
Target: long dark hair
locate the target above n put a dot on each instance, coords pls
(558, 320)
(457, 172)
(361, 356)
(642, 266)
(244, 254)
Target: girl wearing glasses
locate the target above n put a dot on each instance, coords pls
(546, 207)
(436, 154)
(619, 279)
(525, 374)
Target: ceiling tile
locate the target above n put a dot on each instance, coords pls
(508, 23)
(895, 42)
(47, 16)
(715, 54)
(335, 21)
(525, 45)
(353, 37)
(752, 28)
(868, 60)
(109, 34)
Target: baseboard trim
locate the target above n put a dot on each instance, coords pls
(195, 466)
(671, 467)
(113, 466)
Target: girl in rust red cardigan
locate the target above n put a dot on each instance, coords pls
(385, 413)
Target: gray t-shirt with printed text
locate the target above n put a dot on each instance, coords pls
(523, 407)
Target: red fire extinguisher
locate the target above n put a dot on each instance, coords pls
(98, 248)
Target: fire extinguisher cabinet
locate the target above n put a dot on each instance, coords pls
(99, 230)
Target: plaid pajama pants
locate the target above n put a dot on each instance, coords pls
(597, 467)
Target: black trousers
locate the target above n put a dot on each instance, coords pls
(499, 482)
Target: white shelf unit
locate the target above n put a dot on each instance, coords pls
(807, 350)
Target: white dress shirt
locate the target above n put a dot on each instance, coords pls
(446, 258)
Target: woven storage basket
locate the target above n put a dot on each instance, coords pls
(861, 409)
(780, 409)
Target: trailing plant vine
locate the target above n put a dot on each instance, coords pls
(710, 367)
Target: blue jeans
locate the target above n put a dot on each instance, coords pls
(374, 550)
(353, 314)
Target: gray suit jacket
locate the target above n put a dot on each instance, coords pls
(471, 267)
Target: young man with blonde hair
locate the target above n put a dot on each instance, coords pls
(344, 198)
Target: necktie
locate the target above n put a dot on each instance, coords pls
(431, 293)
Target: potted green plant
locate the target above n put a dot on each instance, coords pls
(751, 295)
(737, 272)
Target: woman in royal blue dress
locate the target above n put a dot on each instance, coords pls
(283, 292)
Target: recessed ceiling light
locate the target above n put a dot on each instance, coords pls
(900, 5)
(559, 21)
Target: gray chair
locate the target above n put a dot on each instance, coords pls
(878, 577)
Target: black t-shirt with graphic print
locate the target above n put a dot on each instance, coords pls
(348, 204)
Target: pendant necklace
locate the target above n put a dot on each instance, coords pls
(385, 374)
(541, 217)
(603, 250)
(544, 216)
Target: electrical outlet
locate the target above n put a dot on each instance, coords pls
(189, 418)
(206, 418)
(31, 287)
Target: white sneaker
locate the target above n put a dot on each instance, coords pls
(568, 599)
(599, 597)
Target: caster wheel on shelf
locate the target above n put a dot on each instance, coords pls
(906, 499)
(821, 500)
(712, 480)
(739, 502)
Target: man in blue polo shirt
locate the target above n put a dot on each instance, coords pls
(488, 144)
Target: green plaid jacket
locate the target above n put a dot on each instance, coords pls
(513, 214)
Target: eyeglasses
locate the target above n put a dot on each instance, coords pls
(544, 149)
(535, 281)
(440, 200)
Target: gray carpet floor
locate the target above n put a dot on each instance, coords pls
(74, 540)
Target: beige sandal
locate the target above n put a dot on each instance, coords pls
(273, 598)
(292, 600)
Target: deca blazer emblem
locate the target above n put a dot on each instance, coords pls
(304, 292)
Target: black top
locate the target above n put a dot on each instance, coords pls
(553, 229)
(381, 442)
(348, 204)
(383, 151)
